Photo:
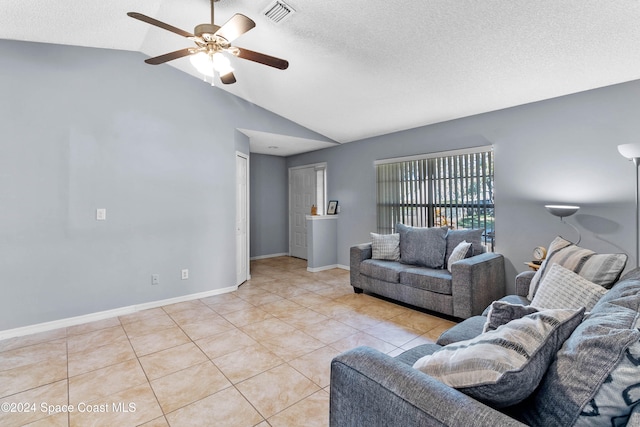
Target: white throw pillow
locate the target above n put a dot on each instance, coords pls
(601, 269)
(385, 246)
(562, 288)
(459, 253)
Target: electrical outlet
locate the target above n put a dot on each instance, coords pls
(101, 214)
(185, 274)
(155, 279)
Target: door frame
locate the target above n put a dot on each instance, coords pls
(247, 216)
(291, 169)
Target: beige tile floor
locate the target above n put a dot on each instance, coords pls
(259, 356)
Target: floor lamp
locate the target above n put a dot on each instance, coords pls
(563, 211)
(632, 152)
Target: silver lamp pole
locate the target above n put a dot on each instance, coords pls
(632, 152)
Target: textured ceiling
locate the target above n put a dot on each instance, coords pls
(365, 68)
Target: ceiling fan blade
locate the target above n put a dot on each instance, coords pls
(160, 24)
(261, 58)
(169, 56)
(228, 78)
(235, 27)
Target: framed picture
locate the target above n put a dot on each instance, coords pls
(333, 207)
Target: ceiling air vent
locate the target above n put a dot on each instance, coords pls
(278, 11)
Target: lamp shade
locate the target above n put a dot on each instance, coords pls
(203, 63)
(207, 63)
(562, 211)
(630, 151)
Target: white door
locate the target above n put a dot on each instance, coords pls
(302, 192)
(242, 218)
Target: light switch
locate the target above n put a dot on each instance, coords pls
(101, 214)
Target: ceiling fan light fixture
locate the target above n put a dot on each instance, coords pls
(207, 63)
(221, 63)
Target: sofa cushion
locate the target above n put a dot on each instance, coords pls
(504, 366)
(422, 246)
(601, 269)
(501, 313)
(429, 279)
(460, 252)
(473, 236)
(562, 288)
(588, 359)
(385, 246)
(388, 271)
(467, 329)
(412, 355)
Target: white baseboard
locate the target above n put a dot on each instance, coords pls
(324, 267)
(100, 315)
(269, 256)
(344, 267)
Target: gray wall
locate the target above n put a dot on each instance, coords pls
(557, 151)
(90, 128)
(269, 205)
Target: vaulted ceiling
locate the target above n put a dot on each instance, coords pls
(362, 68)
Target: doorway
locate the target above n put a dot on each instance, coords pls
(307, 186)
(242, 218)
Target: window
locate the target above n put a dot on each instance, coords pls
(453, 189)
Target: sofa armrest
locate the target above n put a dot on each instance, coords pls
(522, 282)
(476, 282)
(357, 254)
(369, 388)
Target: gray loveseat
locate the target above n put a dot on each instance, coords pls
(369, 388)
(465, 291)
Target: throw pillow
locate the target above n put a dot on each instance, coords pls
(619, 393)
(562, 288)
(422, 246)
(501, 312)
(504, 366)
(462, 251)
(385, 246)
(473, 236)
(601, 269)
(587, 362)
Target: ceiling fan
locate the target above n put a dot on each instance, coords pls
(211, 41)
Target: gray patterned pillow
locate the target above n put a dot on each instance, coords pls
(619, 393)
(473, 236)
(501, 312)
(385, 246)
(562, 288)
(422, 246)
(601, 269)
(504, 366)
(587, 359)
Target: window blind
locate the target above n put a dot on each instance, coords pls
(453, 190)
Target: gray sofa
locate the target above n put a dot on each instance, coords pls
(472, 284)
(369, 388)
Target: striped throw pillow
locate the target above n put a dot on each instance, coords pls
(601, 269)
(562, 288)
(504, 366)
